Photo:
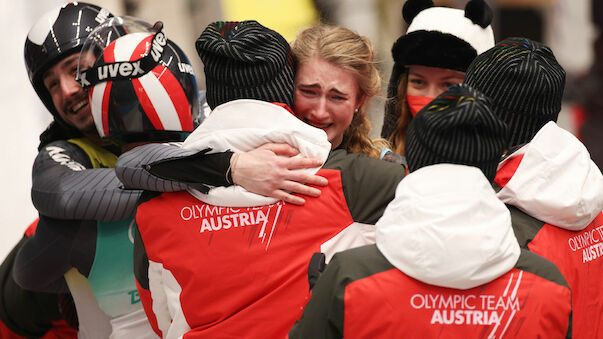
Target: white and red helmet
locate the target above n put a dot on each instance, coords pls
(141, 85)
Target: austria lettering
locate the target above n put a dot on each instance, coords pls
(460, 309)
(589, 243)
(215, 218)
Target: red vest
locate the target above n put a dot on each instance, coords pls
(243, 271)
(495, 310)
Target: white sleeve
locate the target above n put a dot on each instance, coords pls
(159, 298)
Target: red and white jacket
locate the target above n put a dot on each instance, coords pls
(555, 194)
(446, 265)
(234, 264)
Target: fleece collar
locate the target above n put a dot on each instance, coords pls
(555, 180)
(446, 227)
(243, 125)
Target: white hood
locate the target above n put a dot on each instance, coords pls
(243, 125)
(556, 181)
(446, 227)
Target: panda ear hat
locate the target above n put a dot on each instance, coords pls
(438, 37)
(412, 8)
(444, 37)
(477, 11)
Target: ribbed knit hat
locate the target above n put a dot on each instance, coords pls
(245, 60)
(437, 37)
(457, 127)
(523, 81)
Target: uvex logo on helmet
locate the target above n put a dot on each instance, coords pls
(124, 69)
(127, 69)
(159, 43)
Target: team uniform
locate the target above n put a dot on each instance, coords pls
(445, 265)
(87, 258)
(255, 250)
(555, 194)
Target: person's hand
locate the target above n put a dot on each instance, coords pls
(268, 170)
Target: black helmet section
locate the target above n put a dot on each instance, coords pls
(56, 35)
(141, 85)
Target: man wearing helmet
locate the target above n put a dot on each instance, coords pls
(51, 55)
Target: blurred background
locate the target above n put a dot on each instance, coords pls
(569, 27)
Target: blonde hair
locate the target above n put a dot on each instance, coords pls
(355, 54)
(404, 117)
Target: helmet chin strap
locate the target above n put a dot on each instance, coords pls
(126, 70)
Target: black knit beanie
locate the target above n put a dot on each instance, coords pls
(523, 81)
(457, 127)
(245, 60)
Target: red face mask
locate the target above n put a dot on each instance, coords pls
(416, 103)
